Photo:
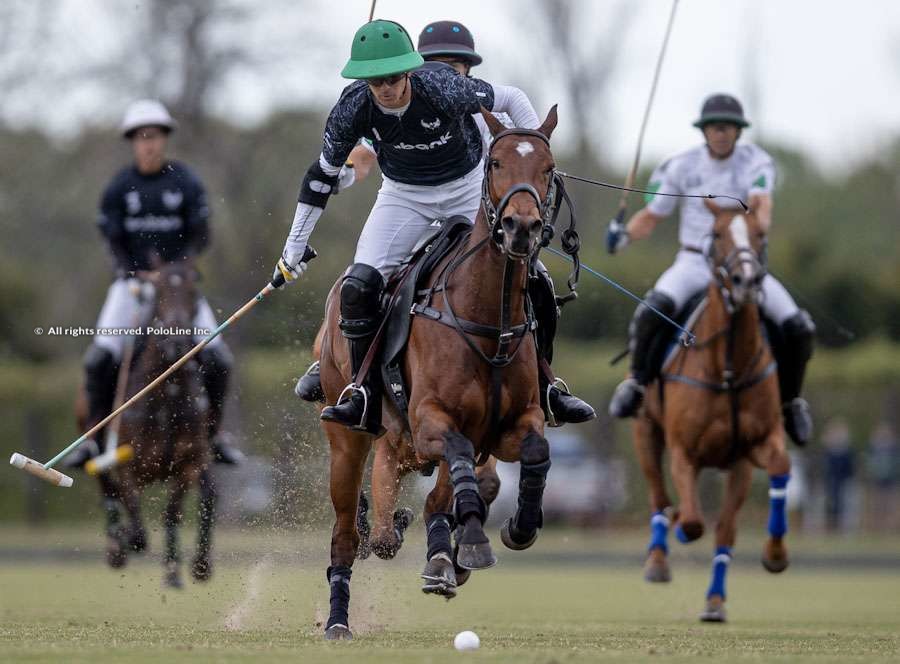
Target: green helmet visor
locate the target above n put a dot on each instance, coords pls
(381, 48)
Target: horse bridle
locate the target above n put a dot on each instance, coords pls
(548, 208)
(735, 258)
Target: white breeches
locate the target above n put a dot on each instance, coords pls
(403, 213)
(124, 309)
(689, 274)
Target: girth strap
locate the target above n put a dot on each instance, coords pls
(723, 386)
(478, 329)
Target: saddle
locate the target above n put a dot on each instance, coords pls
(401, 293)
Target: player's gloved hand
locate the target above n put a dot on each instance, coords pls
(290, 267)
(346, 177)
(616, 236)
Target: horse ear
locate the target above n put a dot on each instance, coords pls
(550, 122)
(493, 124)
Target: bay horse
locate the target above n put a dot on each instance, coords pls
(464, 404)
(167, 430)
(716, 405)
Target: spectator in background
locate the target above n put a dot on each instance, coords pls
(883, 461)
(838, 471)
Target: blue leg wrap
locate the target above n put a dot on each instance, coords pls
(720, 568)
(777, 499)
(659, 531)
(680, 535)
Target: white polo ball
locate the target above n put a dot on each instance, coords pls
(467, 640)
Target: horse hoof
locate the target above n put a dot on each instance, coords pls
(714, 612)
(514, 539)
(775, 566)
(201, 569)
(138, 541)
(462, 575)
(172, 578)
(476, 556)
(689, 531)
(657, 571)
(116, 558)
(338, 633)
(440, 577)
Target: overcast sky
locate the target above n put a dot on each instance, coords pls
(820, 75)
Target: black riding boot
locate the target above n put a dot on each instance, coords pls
(792, 344)
(559, 406)
(100, 373)
(360, 405)
(646, 354)
(215, 367)
(309, 387)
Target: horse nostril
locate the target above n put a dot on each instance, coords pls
(736, 279)
(536, 226)
(509, 224)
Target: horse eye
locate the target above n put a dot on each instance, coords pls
(495, 163)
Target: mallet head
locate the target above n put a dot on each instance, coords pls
(38, 470)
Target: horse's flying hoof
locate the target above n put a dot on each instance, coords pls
(338, 633)
(775, 566)
(440, 577)
(714, 612)
(201, 569)
(476, 556)
(656, 569)
(516, 540)
(462, 575)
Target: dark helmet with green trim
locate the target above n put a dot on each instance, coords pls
(721, 108)
(449, 38)
(381, 48)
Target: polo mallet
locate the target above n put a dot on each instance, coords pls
(48, 473)
(632, 174)
(372, 10)
(113, 453)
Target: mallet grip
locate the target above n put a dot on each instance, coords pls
(47, 474)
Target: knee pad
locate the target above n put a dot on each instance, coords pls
(799, 333)
(645, 320)
(99, 361)
(361, 291)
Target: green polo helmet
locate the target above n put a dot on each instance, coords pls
(381, 48)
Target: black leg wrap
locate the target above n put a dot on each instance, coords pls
(215, 367)
(460, 456)
(647, 349)
(535, 464)
(339, 581)
(438, 531)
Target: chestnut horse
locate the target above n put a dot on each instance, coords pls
(470, 396)
(717, 405)
(167, 429)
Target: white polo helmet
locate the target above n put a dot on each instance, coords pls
(146, 113)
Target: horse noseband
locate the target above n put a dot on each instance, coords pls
(494, 217)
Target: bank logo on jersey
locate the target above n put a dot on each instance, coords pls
(133, 202)
(172, 199)
(431, 126)
(443, 140)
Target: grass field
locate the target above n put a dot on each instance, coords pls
(268, 597)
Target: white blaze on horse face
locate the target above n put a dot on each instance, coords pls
(739, 232)
(524, 148)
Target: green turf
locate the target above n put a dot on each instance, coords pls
(267, 608)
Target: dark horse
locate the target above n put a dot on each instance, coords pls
(167, 429)
(717, 405)
(470, 395)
